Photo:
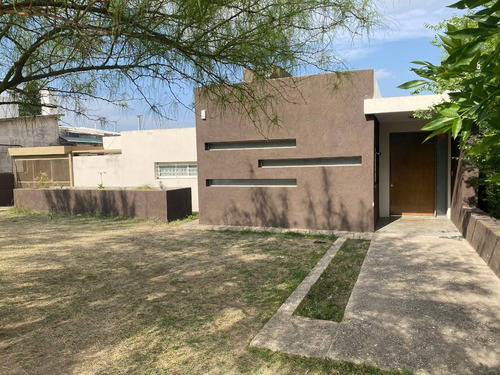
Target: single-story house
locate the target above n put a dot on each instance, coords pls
(340, 158)
(162, 159)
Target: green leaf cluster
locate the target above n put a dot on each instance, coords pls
(111, 49)
(470, 73)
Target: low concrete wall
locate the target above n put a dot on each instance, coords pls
(6, 189)
(156, 205)
(483, 233)
(479, 229)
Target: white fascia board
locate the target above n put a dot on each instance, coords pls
(402, 103)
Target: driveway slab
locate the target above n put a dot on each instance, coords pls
(424, 301)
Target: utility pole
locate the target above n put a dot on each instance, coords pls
(114, 125)
(139, 118)
(102, 123)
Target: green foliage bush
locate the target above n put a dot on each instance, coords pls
(469, 72)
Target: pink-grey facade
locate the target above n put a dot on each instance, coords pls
(317, 170)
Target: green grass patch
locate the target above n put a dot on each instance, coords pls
(193, 216)
(27, 213)
(284, 234)
(22, 211)
(328, 297)
(302, 365)
(147, 298)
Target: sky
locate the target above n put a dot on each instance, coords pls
(389, 52)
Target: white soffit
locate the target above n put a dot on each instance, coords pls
(400, 108)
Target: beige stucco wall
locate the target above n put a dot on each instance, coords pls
(112, 143)
(28, 132)
(135, 166)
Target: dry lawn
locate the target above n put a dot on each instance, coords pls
(84, 295)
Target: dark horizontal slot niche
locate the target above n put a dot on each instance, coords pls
(253, 182)
(245, 145)
(311, 162)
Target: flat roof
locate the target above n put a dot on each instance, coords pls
(49, 150)
(400, 108)
(82, 140)
(84, 130)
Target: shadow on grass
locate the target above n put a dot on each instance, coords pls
(87, 295)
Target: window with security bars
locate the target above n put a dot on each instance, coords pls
(172, 170)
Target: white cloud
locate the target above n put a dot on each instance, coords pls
(353, 53)
(406, 19)
(383, 73)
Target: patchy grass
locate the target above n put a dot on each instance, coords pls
(328, 297)
(330, 238)
(91, 295)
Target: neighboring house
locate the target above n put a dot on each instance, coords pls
(80, 136)
(163, 158)
(38, 167)
(18, 131)
(32, 131)
(341, 158)
(40, 131)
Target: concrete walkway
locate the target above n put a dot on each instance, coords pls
(424, 301)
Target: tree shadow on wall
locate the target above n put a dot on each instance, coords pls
(266, 210)
(316, 208)
(91, 202)
(323, 211)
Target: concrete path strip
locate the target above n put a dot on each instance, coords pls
(299, 335)
(425, 301)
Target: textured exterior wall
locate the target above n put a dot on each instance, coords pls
(27, 132)
(483, 234)
(156, 205)
(479, 229)
(136, 165)
(326, 122)
(464, 193)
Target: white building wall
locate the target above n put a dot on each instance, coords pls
(87, 171)
(136, 165)
(112, 143)
(8, 110)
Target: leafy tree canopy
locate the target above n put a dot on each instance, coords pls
(102, 48)
(470, 72)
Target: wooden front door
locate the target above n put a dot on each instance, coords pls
(412, 174)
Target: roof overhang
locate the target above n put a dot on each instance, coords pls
(398, 109)
(45, 151)
(93, 141)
